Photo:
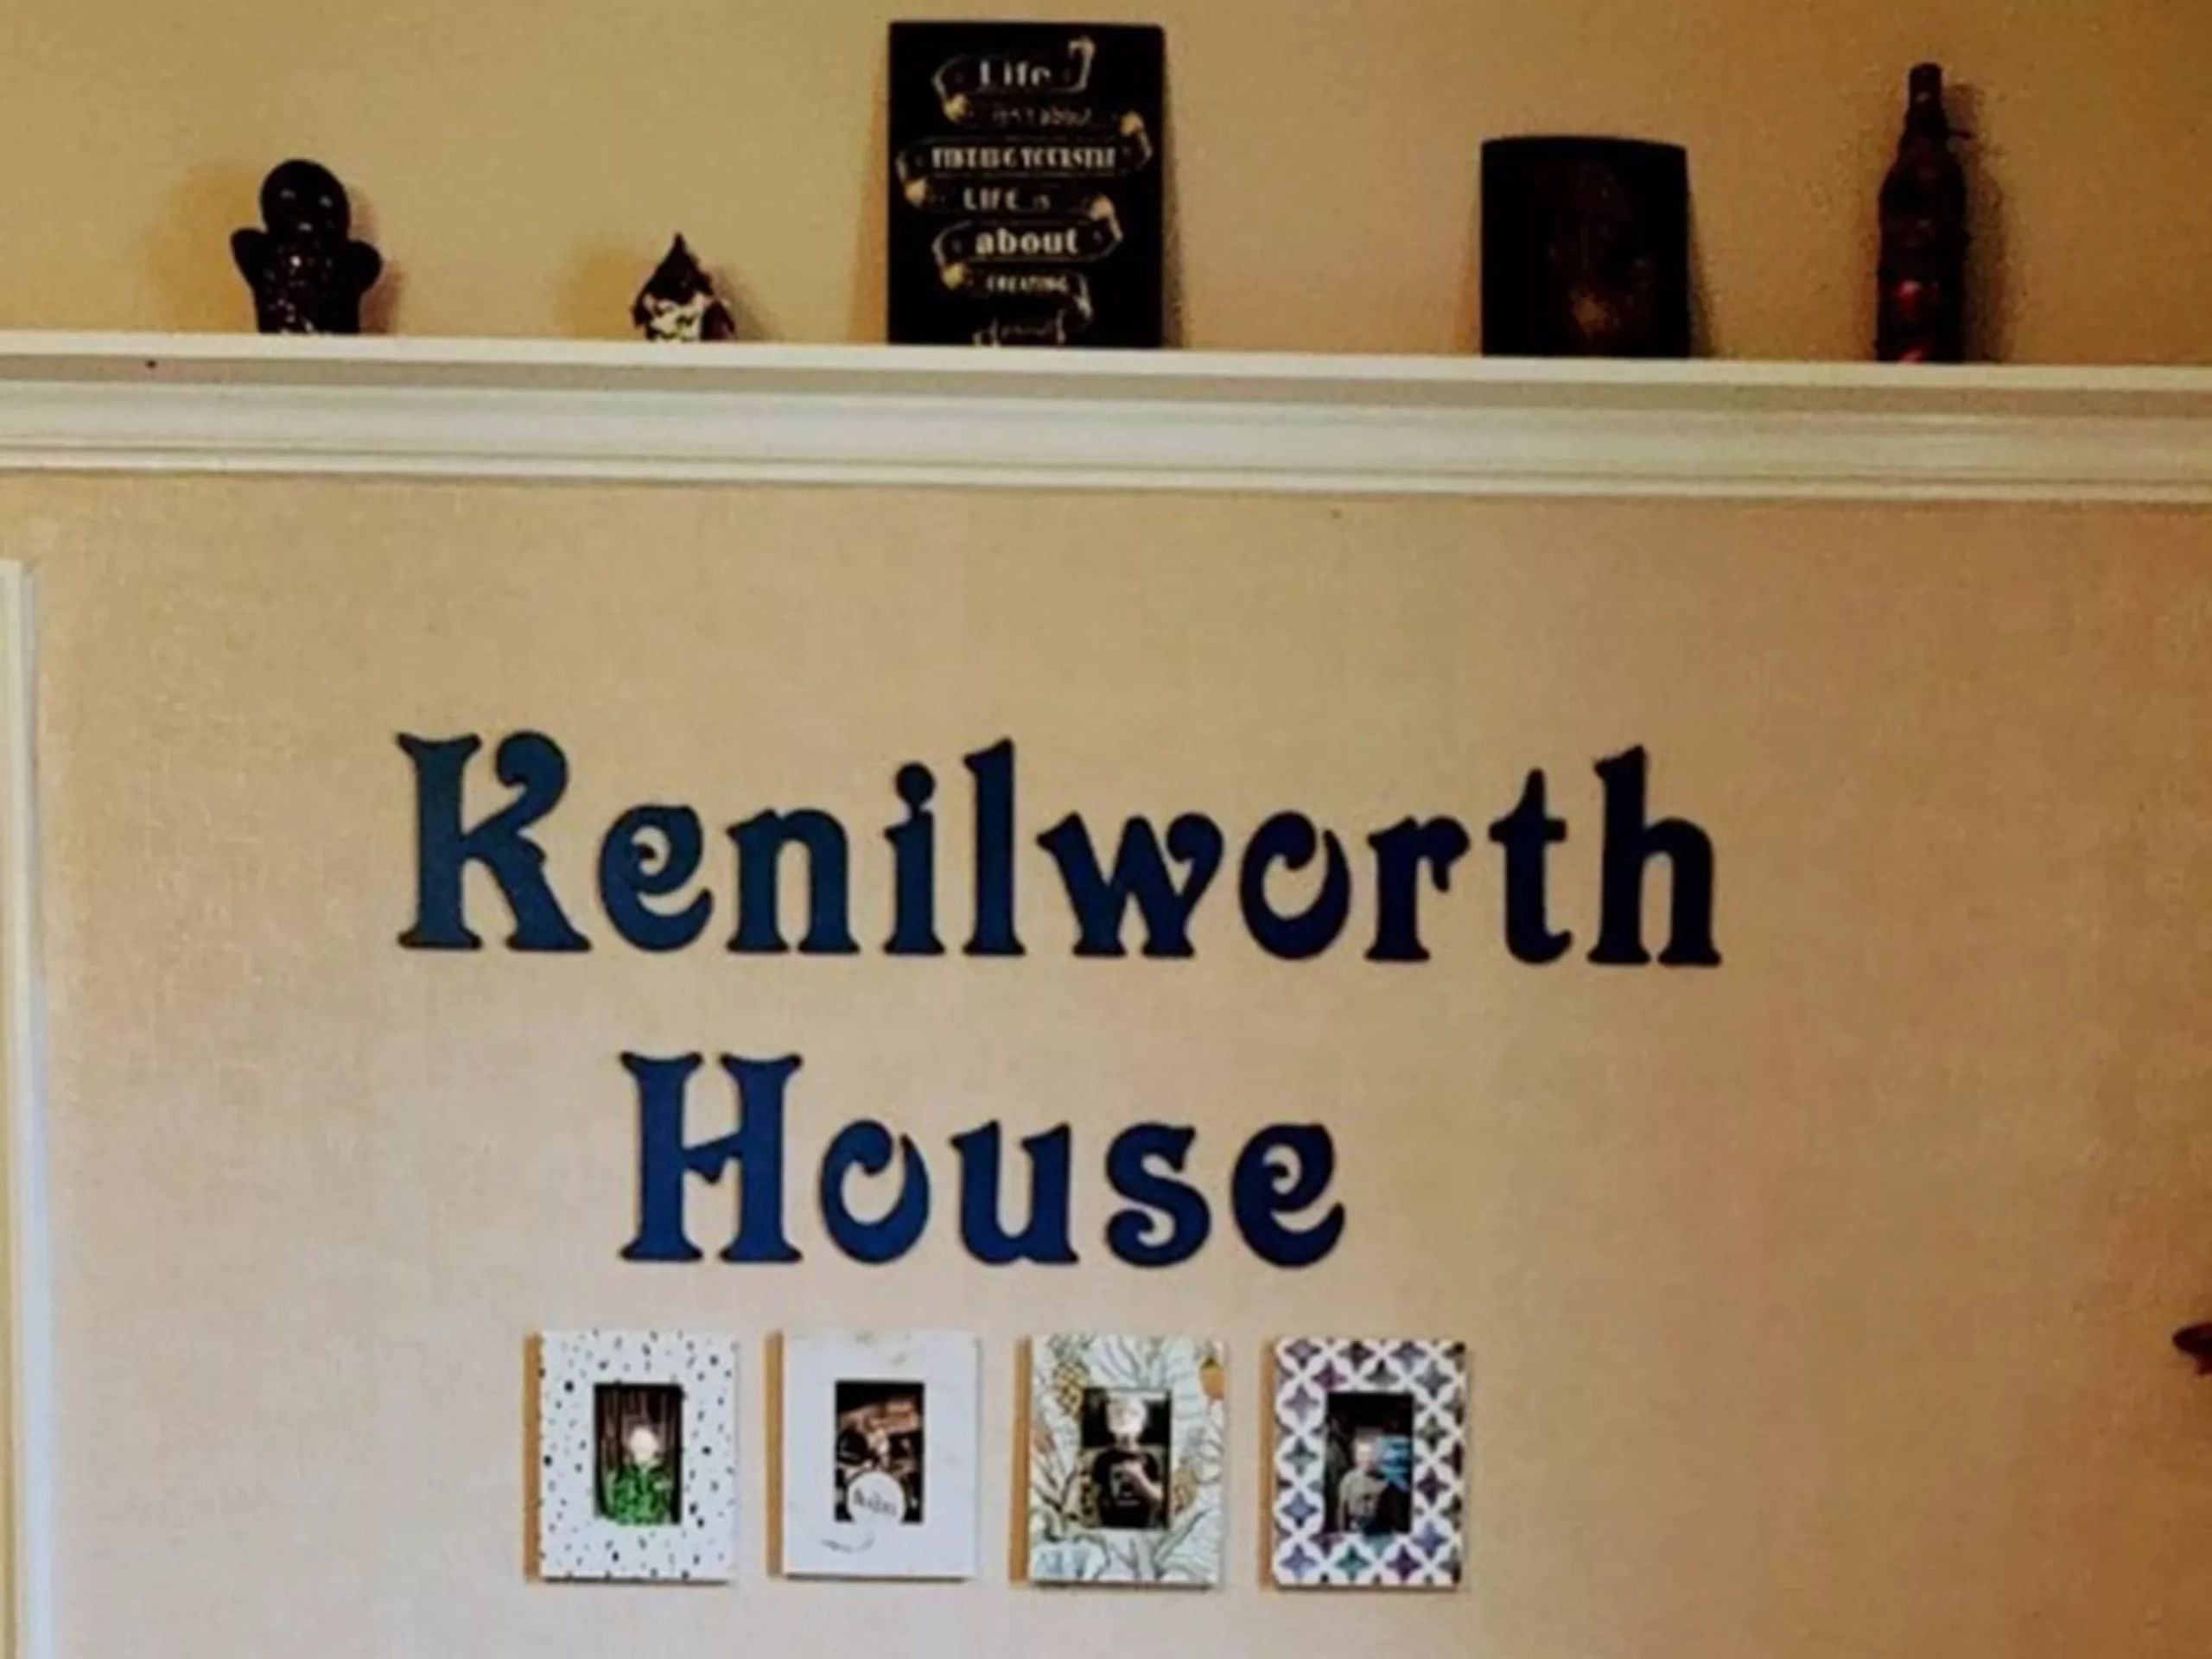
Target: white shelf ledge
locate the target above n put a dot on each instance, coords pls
(1167, 420)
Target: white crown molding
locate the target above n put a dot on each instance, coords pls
(1167, 420)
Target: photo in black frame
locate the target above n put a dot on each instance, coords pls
(1127, 1434)
(1585, 248)
(1026, 196)
(1367, 1471)
(880, 1462)
(638, 1429)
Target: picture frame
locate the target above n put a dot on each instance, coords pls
(1126, 1459)
(881, 1449)
(1026, 184)
(636, 1456)
(1370, 1462)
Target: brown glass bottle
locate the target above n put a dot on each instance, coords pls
(1922, 299)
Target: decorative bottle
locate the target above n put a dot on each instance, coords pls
(1921, 302)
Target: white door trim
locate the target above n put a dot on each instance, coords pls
(30, 1349)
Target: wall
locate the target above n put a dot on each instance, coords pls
(525, 164)
(1819, 1303)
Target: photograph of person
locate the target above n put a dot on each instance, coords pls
(639, 1434)
(1367, 1482)
(879, 1452)
(1125, 1448)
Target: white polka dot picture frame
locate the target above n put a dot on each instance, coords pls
(881, 1445)
(1126, 1456)
(1371, 1454)
(636, 1455)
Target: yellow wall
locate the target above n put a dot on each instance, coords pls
(525, 160)
(1819, 1304)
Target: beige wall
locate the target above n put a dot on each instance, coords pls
(525, 160)
(1819, 1304)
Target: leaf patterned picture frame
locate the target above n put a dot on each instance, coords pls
(1370, 1449)
(1126, 1459)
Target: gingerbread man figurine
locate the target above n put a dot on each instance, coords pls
(307, 272)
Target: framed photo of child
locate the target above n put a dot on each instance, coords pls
(1370, 1445)
(1125, 1459)
(636, 1455)
(881, 1437)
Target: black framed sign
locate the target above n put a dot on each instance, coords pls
(1025, 199)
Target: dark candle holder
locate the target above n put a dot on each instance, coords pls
(1586, 248)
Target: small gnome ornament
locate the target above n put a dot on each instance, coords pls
(1921, 298)
(678, 302)
(307, 272)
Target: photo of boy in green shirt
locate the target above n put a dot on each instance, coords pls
(640, 1431)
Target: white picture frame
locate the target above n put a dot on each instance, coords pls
(881, 1449)
(636, 1457)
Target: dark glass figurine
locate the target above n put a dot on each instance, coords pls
(307, 272)
(678, 302)
(1920, 307)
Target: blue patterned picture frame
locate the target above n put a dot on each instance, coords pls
(1370, 1463)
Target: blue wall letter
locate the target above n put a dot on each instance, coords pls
(651, 852)
(867, 1145)
(1400, 852)
(1527, 833)
(1140, 873)
(1177, 1204)
(1631, 843)
(1045, 1237)
(913, 868)
(1288, 839)
(528, 762)
(760, 842)
(1281, 1170)
(993, 770)
(665, 1161)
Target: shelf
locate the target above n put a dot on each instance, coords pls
(1172, 420)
